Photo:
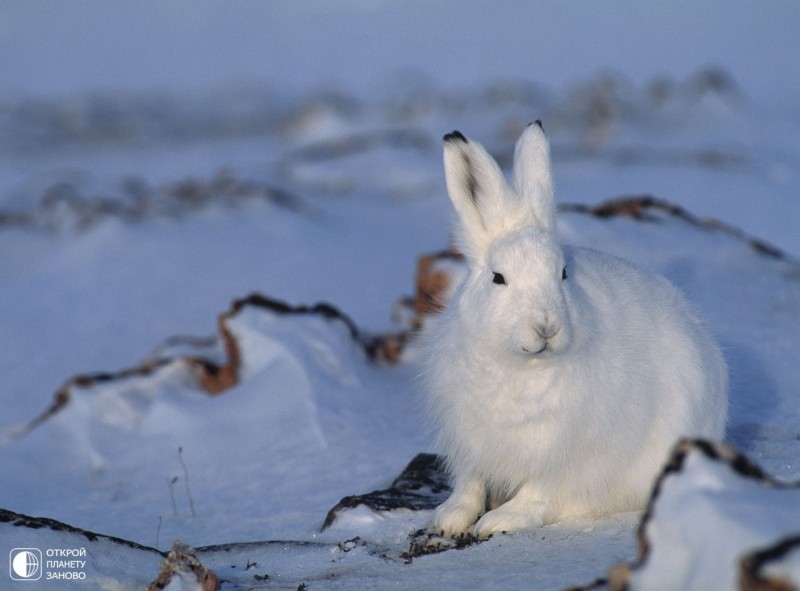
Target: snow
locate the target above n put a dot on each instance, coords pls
(709, 505)
(195, 154)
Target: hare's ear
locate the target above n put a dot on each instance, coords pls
(477, 189)
(533, 179)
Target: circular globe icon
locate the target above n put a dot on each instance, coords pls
(26, 564)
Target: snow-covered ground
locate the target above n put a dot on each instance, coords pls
(160, 161)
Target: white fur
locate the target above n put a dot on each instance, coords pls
(555, 398)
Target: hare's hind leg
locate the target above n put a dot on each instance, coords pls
(458, 513)
(525, 510)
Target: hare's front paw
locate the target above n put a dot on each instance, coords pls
(510, 517)
(454, 517)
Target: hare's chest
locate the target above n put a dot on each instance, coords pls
(503, 401)
(510, 431)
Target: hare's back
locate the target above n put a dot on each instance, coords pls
(643, 322)
(619, 289)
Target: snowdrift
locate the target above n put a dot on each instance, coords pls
(716, 521)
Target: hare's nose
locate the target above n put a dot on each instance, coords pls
(546, 330)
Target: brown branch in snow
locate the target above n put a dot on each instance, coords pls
(182, 562)
(646, 208)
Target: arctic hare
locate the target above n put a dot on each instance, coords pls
(558, 377)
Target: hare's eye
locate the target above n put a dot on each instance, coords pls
(564, 273)
(498, 278)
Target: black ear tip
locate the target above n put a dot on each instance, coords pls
(537, 123)
(455, 136)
